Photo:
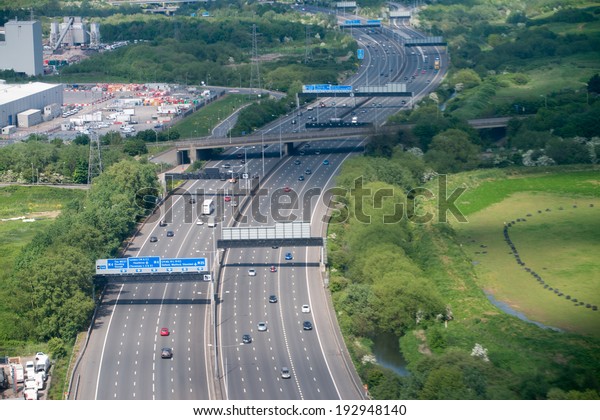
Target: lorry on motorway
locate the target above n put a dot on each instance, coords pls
(208, 206)
(436, 64)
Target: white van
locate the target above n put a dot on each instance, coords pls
(211, 222)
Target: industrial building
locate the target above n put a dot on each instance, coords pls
(19, 103)
(73, 31)
(22, 49)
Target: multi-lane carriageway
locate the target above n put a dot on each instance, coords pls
(122, 358)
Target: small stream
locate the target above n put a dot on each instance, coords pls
(387, 351)
(510, 311)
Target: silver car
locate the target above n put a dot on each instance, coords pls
(262, 326)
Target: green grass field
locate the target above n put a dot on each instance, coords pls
(201, 123)
(40, 203)
(560, 245)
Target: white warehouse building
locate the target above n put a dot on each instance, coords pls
(15, 99)
(22, 49)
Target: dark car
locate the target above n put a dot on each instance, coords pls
(162, 223)
(297, 162)
(272, 299)
(153, 239)
(192, 201)
(170, 233)
(308, 172)
(301, 178)
(246, 339)
(166, 353)
(307, 325)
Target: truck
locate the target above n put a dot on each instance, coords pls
(436, 64)
(208, 206)
(19, 373)
(30, 390)
(42, 362)
(29, 369)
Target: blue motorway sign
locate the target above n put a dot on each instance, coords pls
(352, 22)
(360, 54)
(144, 262)
(326, 88)
(117, 263)
(183, 262)
(139, 265)
(374, 22)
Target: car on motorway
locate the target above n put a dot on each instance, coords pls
(228, 198)
(262, 326)
(272, 299)
(166, 353)
(302, 153)
(162, 223)
(252, 272)
(423, 71)
(325, 162)
(164, 332)
(199, 222)
(246, 339)
(192, 201)
(226, 165)
(294, 121)
(287, 189)
(170, 234)
(308, 172)
(301, 178)
(153, 239)
(428, 81)
(232, 180)
(234, 204)
(403, 102)
(297, 162)
(285, 373)
(307, 326)
(305, 309)
(317, 152)
(288, 256)
(273, 269)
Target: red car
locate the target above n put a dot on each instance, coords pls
(273, 269)
(287, 189)
(227, 198)
(164, 331)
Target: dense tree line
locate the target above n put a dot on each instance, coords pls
(51, 285)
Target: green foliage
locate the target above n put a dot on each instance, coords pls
(452, 151)
(52, 281)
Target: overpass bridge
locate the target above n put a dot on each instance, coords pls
(200, 147)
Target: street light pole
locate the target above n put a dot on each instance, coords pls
(262, 144)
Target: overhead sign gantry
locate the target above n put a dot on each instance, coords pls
(152, 264)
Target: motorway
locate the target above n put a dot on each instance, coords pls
(122, 358)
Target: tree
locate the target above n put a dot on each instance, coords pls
(452, 151)
(134, 147)
(593, 85)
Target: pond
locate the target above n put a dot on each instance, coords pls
(387, 351)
